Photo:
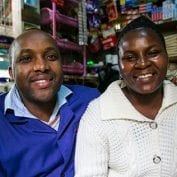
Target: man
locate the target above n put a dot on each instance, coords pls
(39, 116)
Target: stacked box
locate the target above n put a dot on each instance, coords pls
(149, 7)
(171, 44)
(168, 10)
(157, 14)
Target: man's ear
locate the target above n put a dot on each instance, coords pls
(10, 72)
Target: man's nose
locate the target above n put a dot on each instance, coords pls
(40, 64)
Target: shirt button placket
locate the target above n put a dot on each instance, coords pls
(156, 158)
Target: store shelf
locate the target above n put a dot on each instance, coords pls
(47, 17)
(30, 15)
(168, 27)
(88, 80)
(173, 59)
(72, 3)
(65, 44)
(48, 3)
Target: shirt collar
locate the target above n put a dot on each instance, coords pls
(13, 102)
(113, 99)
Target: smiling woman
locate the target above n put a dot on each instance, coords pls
(130, 130)
(143, 62)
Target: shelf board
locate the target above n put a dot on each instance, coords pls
(168, 27)
(68, 45)
(46, 18)
(30, 16)
(76, 79)
(173, 59)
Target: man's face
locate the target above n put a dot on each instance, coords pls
(143, 60)
(36, 67)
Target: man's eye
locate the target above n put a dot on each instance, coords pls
(25, 59)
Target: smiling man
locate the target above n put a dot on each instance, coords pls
(39, 116)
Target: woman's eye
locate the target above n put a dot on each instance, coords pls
(52, 57)
(129, 58)
(153, 53)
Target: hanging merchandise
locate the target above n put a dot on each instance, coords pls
(95, 44)
(6, 17)
(131, 3)
(111, 9)
(109, 38)
(157, 14)
(93, 14)
(82, 20)
(59, 2)
(169, 10)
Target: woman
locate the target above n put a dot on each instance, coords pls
(131, 129)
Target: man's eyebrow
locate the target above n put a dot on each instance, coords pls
(51, 48)
(23, 50)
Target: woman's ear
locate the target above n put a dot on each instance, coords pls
(10, 72)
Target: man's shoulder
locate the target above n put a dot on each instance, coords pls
(2, 99)
(81, 90)
(82, 94)
(2, 116)
(2, 95)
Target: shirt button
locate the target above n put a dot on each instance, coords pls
(62, 175)
(153, 125)
(156, 159)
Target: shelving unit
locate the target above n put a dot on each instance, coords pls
(15, 17)
(51, 16)
(165, 17)
(169, 29)
(58, 22)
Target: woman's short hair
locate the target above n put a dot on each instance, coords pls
(142, 22)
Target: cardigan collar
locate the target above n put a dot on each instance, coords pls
(114, 104)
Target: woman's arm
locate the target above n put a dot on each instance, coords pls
(91, 158)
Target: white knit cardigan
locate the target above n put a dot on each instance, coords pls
(115, 140)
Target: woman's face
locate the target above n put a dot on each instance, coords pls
(142, 60)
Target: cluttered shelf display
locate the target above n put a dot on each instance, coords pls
(103, 34)
(106, 19)
(5, 81)
(66, 21)
(103, 21)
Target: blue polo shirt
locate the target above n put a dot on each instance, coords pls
(29, 147)
(13, 102)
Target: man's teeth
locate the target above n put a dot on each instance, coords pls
(144, 76)
(42, 81)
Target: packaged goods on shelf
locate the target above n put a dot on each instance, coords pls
(171, 44)
(169, 10)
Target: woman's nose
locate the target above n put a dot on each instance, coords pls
(142, 62)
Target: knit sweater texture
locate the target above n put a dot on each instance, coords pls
(115, 140)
